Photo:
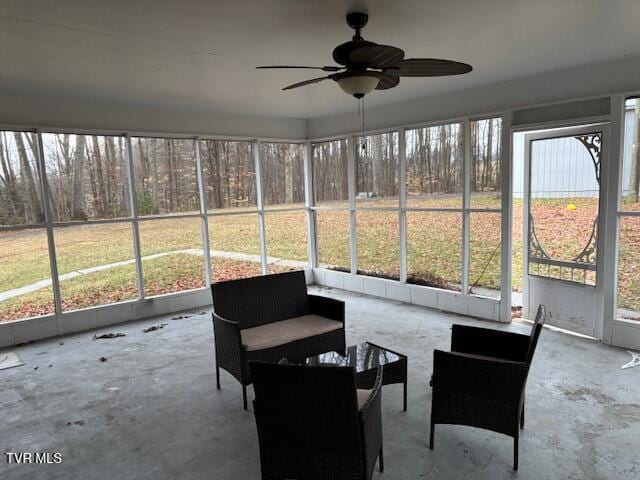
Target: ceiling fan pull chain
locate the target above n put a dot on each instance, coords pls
(364, 144)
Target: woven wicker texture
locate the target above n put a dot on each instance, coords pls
(309, 426)
(481, 382)
(246, 303)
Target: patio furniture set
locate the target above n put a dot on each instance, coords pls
(317, 401)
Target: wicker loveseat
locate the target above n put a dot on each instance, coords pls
(269, 318)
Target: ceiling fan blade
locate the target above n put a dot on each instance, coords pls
(427, 67)
(324, 69)
(306, 82)
(376, 56)
(387, 81)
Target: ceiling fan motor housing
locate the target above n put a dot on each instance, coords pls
(357, 20)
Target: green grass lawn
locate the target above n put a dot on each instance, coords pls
(433, 250)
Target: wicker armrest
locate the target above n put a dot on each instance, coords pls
(490, 343)
(228, 341)
(224, 327)
(483, 377)
(327, 307)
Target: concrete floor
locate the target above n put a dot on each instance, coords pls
(151, 411)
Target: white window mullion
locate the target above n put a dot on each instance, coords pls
(255, 145)
(53, 262)
(203, 213)
(506, 188)
(466, 192)
(134, 218)
(351, 168)
(309, 200)
(610, 172)
(402, 153)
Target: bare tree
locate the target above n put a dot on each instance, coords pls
(28, 180)
(634, 179)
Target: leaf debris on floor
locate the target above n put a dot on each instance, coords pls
(153, 328)
(109, 335)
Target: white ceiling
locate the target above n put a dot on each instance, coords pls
(200, 55)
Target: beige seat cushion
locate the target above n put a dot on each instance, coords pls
(286, 331)
(363, 396)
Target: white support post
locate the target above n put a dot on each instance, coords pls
(466, 193)
(506, 185)
(255, 146)
(611, 179)
(203, 214)
(402, 155)
(135, 228)
(53, 262)
(310, 203)
(526, 208)
(351, 169)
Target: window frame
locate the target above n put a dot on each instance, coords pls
(134, 219)
(402, 208)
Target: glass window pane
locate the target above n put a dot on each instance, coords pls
(25, 276)
(286, 237)
(87, 176)
(332, 233)
(282, 170)
(629, 269)
(485, 163)
(630, 200)
(20, 193)
(378, 244)
(434, 249)
(434, 158)
(95, 265)
(377, 170)
(484, 254)
(165, 176)
(330, 173)
(229, 174)
(172, 255)
(235, 246)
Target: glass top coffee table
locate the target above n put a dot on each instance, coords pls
(366, 358)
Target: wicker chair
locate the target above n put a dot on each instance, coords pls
(272, 317)
(481, 382)
(314, 425)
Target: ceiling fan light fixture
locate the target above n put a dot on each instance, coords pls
(358, 85)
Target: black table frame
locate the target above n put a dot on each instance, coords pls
(392, 373)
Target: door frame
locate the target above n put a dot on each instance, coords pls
(560, 131)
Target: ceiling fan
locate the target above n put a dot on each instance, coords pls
(367, 65)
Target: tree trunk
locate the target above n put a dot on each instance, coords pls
(9, 178)
(489, 159)
(102, 194)
(429, 161)
(344, 170)
(29, 181)
(92, 182)
(77, 197)
(634, 179)
(288, 172)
